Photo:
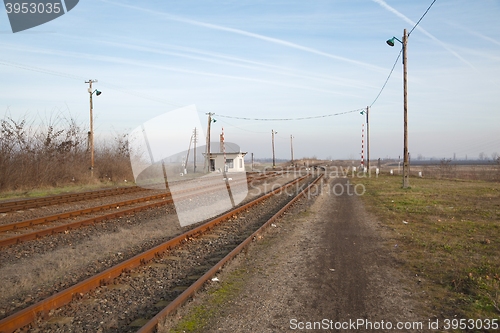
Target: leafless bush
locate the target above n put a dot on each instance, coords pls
(54, 153)
(113, 160)
(446, 169)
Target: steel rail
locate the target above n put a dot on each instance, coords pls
(74, 213)
(150, 326)
(29, 314)
(21, 204)
(9, 206)
(73, 225)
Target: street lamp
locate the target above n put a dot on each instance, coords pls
(274, 157)
(91, 132)
(406, 162)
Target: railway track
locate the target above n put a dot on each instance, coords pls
(7, 206)
(22, 231)
(24, 204)
(173, 264)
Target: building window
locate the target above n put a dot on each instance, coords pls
(229, 163)
(241, 163)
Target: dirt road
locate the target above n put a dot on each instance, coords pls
(322, 270)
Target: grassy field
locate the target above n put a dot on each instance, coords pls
(49, 191)
(448, 234)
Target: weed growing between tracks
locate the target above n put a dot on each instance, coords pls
(200, 315)
(447, 233)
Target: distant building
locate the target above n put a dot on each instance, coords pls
(235, 162)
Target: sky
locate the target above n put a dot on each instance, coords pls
(250, 62)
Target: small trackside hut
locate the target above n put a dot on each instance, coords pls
(235, 162)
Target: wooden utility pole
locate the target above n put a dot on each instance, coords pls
(91, 132)
(207, 157)
(406, 162)
(274, 157)
(194, 157)
(187, 155)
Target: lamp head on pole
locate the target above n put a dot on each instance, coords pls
(390, 42)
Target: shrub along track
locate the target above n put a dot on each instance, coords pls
(22, 231)
(134, 295)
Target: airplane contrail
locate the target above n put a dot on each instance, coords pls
(249, 34)
(383, 4)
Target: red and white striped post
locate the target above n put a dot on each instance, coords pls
(362, 147)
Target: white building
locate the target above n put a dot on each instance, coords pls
(235, 162)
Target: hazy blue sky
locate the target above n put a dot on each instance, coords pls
(269, 59)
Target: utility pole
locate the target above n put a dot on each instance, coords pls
(91, 132)
(406, 159)
(207, 157)
(185, 166)
(291, 146)
(274, 156)
(194, 158)
(406, 162)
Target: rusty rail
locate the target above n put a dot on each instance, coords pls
(198, 284)
(9, 206)
(73, 225)
(52, 218)
(29, 314)
(21, 204)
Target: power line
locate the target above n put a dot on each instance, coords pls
(289, 119)
(399, 55)
(81, 78)
(421, 18)
(41, 70)
(388, 77)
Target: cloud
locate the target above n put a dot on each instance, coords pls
(406, 19)
(128, 62)
(249, 34)
(201, 55)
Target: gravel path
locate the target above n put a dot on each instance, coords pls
(326, 262)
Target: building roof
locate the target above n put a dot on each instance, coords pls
(229, 153)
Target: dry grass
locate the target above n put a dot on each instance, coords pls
(451, 238)
(55, 154)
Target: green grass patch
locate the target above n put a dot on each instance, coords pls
(451, 238)
(49, 191)
(200, 316)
